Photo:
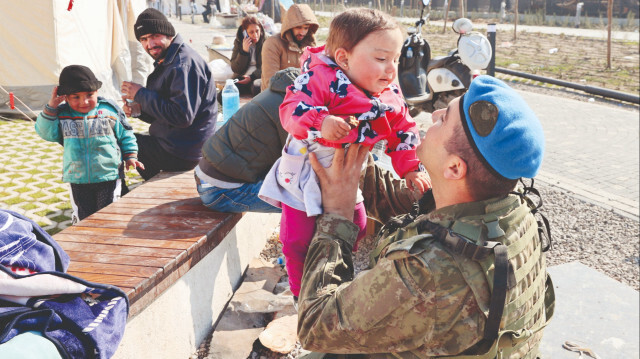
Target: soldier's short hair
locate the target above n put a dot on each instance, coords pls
(481, 181)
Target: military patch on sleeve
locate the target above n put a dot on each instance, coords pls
(483, 116)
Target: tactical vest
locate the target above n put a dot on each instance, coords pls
(506, 243)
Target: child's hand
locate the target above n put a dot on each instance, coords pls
(55, 100)
(418, 181)
(334, 128)
(133, 163)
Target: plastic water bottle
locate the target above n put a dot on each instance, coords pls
(409, 52)
(230, 100)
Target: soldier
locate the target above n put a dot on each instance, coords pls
(451, 282)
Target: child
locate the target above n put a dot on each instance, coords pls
(95, 136)
(347, 81)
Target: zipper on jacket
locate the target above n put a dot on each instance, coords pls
(86, 144)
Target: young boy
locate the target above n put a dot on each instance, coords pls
(95, 136)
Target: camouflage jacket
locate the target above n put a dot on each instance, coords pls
(419, 299)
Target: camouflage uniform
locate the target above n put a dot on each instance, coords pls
(420, 299)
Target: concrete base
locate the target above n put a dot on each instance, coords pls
(181, 317)
(594, 311)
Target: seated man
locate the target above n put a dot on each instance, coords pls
(446, 283)
(179, 100)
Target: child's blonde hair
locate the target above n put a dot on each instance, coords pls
(350, 27)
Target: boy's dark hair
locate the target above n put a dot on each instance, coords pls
(350, 27)
(481, 181)
(77, 78)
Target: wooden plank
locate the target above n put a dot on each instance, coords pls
(190, 236)
(114, 269)
(170, 194)
(183, 225)
(153, 212)
(117, 259)
(160, 202)
(98, 249)
(120, 241)
(186, 182)
(127, 284)
(184, 217)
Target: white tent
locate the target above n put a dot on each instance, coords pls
(41, 37)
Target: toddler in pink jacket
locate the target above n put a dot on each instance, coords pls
(344, 95)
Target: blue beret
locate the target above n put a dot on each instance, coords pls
(502, 128)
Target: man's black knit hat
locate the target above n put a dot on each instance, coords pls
(152, 21)
(77, 78)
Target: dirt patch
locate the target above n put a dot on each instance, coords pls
(569, 58)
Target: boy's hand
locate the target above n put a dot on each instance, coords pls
(55, 99)
(418, 181)
(133, 163)
(334, 128)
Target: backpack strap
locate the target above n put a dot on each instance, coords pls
(503, 275)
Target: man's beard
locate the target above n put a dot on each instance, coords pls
(160, 55)
(299, 42)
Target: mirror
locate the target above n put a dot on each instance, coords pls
(462, 25)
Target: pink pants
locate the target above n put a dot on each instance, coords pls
(296, 232)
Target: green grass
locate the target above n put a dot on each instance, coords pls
(14, 200)
(51, 200)
(29, 206)
(38, 195)
(60, 218)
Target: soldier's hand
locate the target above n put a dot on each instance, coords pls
(339, 182)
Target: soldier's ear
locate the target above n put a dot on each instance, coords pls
(456, 168)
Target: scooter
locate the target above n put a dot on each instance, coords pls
(430, 84)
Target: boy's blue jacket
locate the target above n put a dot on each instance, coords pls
(93, 142)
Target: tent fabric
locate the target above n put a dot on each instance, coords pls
(42, 37)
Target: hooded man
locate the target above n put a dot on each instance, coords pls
(283, 50)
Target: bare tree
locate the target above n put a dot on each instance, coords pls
(515, 24)
(609, 27)
(446, 16)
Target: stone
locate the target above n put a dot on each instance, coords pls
(592, 310)
(281, 335)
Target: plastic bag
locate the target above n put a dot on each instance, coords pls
(220, 70)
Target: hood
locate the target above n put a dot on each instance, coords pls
(283, 79)
(315, 56)
(297, 15)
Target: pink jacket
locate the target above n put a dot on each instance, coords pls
(323, 89)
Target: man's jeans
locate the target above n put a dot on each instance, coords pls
(234, 200)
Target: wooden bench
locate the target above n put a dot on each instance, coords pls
(178, 261)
